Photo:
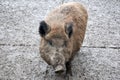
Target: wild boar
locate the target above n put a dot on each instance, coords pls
(62, 33)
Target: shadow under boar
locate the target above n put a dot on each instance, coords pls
(62, 33)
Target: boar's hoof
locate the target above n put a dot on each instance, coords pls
(59, 69)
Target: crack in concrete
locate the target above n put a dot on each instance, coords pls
(101, 47)
(17, 45)
(104, 47)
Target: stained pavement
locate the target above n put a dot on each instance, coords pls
(98, 59)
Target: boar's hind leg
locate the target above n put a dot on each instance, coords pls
(68, 68)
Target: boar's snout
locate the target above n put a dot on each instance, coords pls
(58, 63)
(60, 69)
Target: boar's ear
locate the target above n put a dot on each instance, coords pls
(69, 29)
(43, 28)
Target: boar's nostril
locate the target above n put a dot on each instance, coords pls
(59, 69)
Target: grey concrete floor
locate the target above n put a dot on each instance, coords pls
(98, 59)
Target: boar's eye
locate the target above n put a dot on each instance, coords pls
(65, 44)
(50, 42)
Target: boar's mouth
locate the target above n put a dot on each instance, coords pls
(60, 69)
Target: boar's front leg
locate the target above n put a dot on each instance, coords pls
(68, 68)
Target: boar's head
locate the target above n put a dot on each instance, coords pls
(56, 44)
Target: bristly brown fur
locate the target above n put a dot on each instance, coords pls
(52, 46)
